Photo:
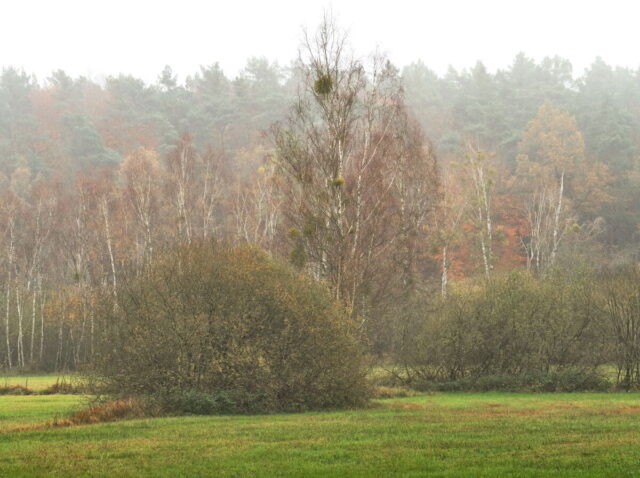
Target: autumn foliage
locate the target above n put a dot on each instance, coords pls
(389, 187)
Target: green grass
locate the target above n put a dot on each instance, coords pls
(448, 434)
(25, 410)
(34, 382)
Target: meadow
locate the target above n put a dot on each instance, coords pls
(443, 434)
(36, 383)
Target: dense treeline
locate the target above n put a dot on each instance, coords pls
(95, 177)
(327, 164)
(493, 110)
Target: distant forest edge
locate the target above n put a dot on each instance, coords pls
(473, 174)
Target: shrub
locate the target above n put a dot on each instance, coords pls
(15, 390)
(207, 403)
(620, 296)
(512, 332)
(211, 329)
(63, 387)
(569, 380)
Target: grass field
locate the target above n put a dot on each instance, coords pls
(445, 434)
(33, 382)
(24, 410)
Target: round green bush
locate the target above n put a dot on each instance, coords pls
(220, 329)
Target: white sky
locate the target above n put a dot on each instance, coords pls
(97, 38)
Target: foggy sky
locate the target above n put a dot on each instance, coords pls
(98, 38)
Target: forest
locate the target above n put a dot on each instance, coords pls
(461, 219)
(333, 266)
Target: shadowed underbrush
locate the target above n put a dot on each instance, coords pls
(15, 390)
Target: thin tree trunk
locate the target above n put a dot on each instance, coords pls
(8, 296)
(485, 258)
(33, 326)
(42, 303)
(556, 221)
(20, 341)
(105, 214)
(445, 270)
(6, 323)
(59, 354)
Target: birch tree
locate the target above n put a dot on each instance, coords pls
(449, 219)
(348, 161)
(141, 172)
(479, 181)
(181, 170)
(551, 161)
(257, 208)
(211, 190)
(9, 257)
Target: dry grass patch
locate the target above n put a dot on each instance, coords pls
(623, 410)
(123, 409)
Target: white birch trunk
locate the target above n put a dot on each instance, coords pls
(556, 222)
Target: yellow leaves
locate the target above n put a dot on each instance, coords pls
(293, 233)
(591, 187)
(575, 228)
(552, 139)
(141, 163)
(552, 146)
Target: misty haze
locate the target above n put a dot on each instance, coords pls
(291, 239)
